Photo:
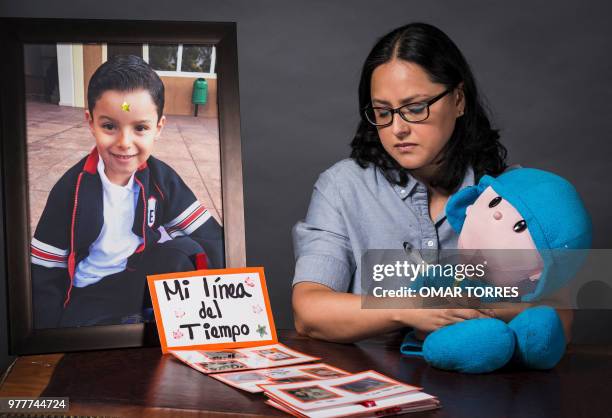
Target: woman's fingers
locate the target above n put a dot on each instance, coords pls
(465, 314)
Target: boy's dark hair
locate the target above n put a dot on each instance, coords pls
(473, 142)
(125, 73)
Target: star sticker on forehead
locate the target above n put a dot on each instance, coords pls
(125, 106)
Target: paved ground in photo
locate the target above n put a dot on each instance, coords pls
(58, 137)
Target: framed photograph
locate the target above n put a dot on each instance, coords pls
(121, 154)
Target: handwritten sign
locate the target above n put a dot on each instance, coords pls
(206, 309)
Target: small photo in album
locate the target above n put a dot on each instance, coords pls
(274, 354)
(364, 385)
(292, 379)
(310, 393)
(221, 366)
(245, 377)
(323, 372)
(222, 354)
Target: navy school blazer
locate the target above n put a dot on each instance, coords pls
(73, 218)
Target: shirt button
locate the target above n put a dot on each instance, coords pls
(430, 243)
(402, 191)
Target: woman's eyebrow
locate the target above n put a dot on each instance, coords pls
(411, 99)
(404, 101)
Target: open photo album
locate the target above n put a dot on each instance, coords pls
(261, 357)
(219, 322)
(364, 394)
(250, 380)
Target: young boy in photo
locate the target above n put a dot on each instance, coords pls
(98, 236)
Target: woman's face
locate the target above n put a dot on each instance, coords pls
(415, 146)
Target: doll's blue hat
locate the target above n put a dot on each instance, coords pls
(555, 214)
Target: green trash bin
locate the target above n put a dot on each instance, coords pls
(200, 93)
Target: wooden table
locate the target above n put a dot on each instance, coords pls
(143, 383)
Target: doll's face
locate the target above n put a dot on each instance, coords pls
(492, 223)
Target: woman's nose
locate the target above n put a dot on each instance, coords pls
(401, 128)
(497, 215)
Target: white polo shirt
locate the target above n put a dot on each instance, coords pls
(109, 252)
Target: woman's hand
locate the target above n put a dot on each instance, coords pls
(425, 321)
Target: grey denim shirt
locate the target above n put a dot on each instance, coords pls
(354, 209)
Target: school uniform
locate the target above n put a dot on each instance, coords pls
(74, 228)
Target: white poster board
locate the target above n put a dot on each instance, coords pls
(211, 309)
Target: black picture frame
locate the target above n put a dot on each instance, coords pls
(14, 34)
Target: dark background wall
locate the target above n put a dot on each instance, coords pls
(544, 68)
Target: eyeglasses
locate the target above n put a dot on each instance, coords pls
(411, 112)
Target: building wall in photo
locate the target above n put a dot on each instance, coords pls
(178, 97)
(50, 80)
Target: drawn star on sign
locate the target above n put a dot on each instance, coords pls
(261, 330)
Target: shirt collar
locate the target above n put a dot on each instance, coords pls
(404, 192)
(468, 180)
(105, 180)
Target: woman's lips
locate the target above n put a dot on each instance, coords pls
(405, 146)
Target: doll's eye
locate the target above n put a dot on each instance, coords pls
(495, 202)
(520, 226)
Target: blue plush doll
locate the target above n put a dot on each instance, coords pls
(522, 209)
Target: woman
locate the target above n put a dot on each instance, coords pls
(423, 135)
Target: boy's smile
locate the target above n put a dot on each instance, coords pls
(124, 138)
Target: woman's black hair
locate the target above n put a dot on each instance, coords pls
(473, 142)
(125, 73)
